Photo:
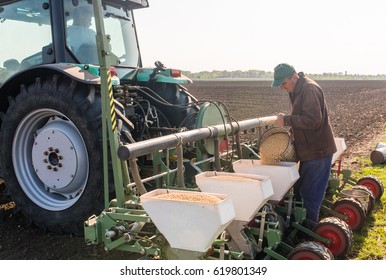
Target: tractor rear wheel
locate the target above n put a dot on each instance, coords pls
(373, 184)
(339, 234)
(310, 250)
(354, 211)
(51, 158)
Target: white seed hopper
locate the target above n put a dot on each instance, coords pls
(248, 192)
(188, 225)
(341, 147)
(283, 175)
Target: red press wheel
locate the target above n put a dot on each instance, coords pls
(373, 184)
(354, 211)
(310, 250)
(371, 204)
(339, 234)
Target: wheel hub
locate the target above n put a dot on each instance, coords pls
(55, 167)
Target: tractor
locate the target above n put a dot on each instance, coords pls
(51, 157)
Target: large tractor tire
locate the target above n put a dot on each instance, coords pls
(51, 158)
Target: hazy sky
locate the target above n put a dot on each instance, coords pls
(315, 36)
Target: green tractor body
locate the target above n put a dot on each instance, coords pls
(50, 103)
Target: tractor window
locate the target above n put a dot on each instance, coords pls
(25, 29)
(120, 26)
(81, 32)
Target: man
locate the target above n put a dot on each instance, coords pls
(81, 38)
(312, 132)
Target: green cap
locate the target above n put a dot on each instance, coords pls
(282, 71)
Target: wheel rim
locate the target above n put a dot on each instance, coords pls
(58, 174)
(354, 217)
(336, 245)
(373, 187)
(338, 233)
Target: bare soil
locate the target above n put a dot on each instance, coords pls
(357, 111)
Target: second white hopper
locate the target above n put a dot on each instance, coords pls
(283, 175)
(248, 192)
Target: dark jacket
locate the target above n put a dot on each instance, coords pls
(309, 121)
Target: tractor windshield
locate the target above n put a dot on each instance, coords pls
(81, 32)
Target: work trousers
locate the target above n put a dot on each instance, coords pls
(312, 184)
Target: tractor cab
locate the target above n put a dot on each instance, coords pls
(37, 32)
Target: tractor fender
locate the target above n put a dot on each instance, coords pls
(12, 86)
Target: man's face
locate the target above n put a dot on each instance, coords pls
(288, 84)
(85, 20)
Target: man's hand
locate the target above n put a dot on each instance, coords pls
(280, 119)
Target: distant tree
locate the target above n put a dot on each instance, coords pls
(264, 75)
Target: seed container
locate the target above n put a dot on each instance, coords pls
(283, 175)
(248, 192)
(189, 225)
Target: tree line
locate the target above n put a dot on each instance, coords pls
(268, 75)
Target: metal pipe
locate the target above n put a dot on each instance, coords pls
(148, 179)
(209, 159)
(180, 166)
(179, 169)
(137, 178)
(217, 162)
(238, 145)
(145, 147)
